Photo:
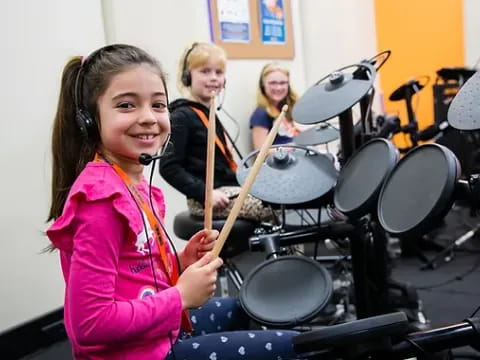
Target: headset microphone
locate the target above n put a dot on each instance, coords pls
(146, 159)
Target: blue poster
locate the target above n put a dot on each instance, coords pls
(272, 21)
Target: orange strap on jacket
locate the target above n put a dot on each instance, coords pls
(159, 235)
(291, 128)
(225, 152)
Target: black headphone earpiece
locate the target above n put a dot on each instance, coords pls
(86, 124)
(186, 75)
(260, 85)
(186, 78)
(260, 81)
(85, 121)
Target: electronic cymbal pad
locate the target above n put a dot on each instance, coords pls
(320, 134)
(291, 174)
(464, 111)
(334, 94)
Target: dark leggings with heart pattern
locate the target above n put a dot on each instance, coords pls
(218, 336)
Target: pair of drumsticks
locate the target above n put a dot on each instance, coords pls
(248, 181)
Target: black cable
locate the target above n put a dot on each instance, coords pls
(158, 218)
(224, 93)
(315, 249)
(232, 141)
(418, 347)
(150, 181)
(171, 345)
(234, 121)
(369, 109)
(150, 253)
(475, 312)
(303, 220)
(449, 281)
(147, 240)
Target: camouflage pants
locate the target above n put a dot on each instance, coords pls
(252, 208)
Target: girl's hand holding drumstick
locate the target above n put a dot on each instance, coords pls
(248, 184)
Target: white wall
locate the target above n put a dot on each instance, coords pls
(336, 34)
(39, 36)
(472, 32)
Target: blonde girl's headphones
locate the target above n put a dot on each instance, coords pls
(186, 75)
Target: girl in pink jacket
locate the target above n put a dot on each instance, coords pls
(127, 293)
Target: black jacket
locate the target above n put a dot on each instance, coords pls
(184, 163)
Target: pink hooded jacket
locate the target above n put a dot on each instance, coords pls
(112, 308)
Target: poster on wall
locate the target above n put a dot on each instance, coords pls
(234, 20)
(252, 29)
(272, 21)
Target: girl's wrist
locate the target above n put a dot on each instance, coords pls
(181, 260)
(182, 299)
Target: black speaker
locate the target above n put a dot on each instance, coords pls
(443, 95)
(466, 147)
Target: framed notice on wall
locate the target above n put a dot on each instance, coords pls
(234, 21)
(252, 29)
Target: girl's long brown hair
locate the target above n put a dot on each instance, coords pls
(70, 150)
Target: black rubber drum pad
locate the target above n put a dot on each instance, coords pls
(419, 192)
(362, 177)
(286, 291)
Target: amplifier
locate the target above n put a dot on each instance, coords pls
(443, 95)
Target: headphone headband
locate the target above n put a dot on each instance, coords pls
(186, 76)
(83, 118)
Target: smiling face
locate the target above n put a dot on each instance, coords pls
(133, 115)
(276, 86)
(207, 79)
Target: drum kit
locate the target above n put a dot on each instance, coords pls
(379, 195)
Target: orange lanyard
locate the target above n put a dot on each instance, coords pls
(159, 235)
(228, 155)
(291, 128)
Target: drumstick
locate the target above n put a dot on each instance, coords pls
(248, 184)
(209, 174)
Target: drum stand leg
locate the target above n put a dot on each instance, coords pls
(416, 247)
(448, 252)
(375, 292)
(359, 250)
(226, 272)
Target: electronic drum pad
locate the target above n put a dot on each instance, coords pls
(464, 111)
(419, 191)
(292, 174)
(334, 94)
(320, 134)
(286, 291)
(361, 178)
